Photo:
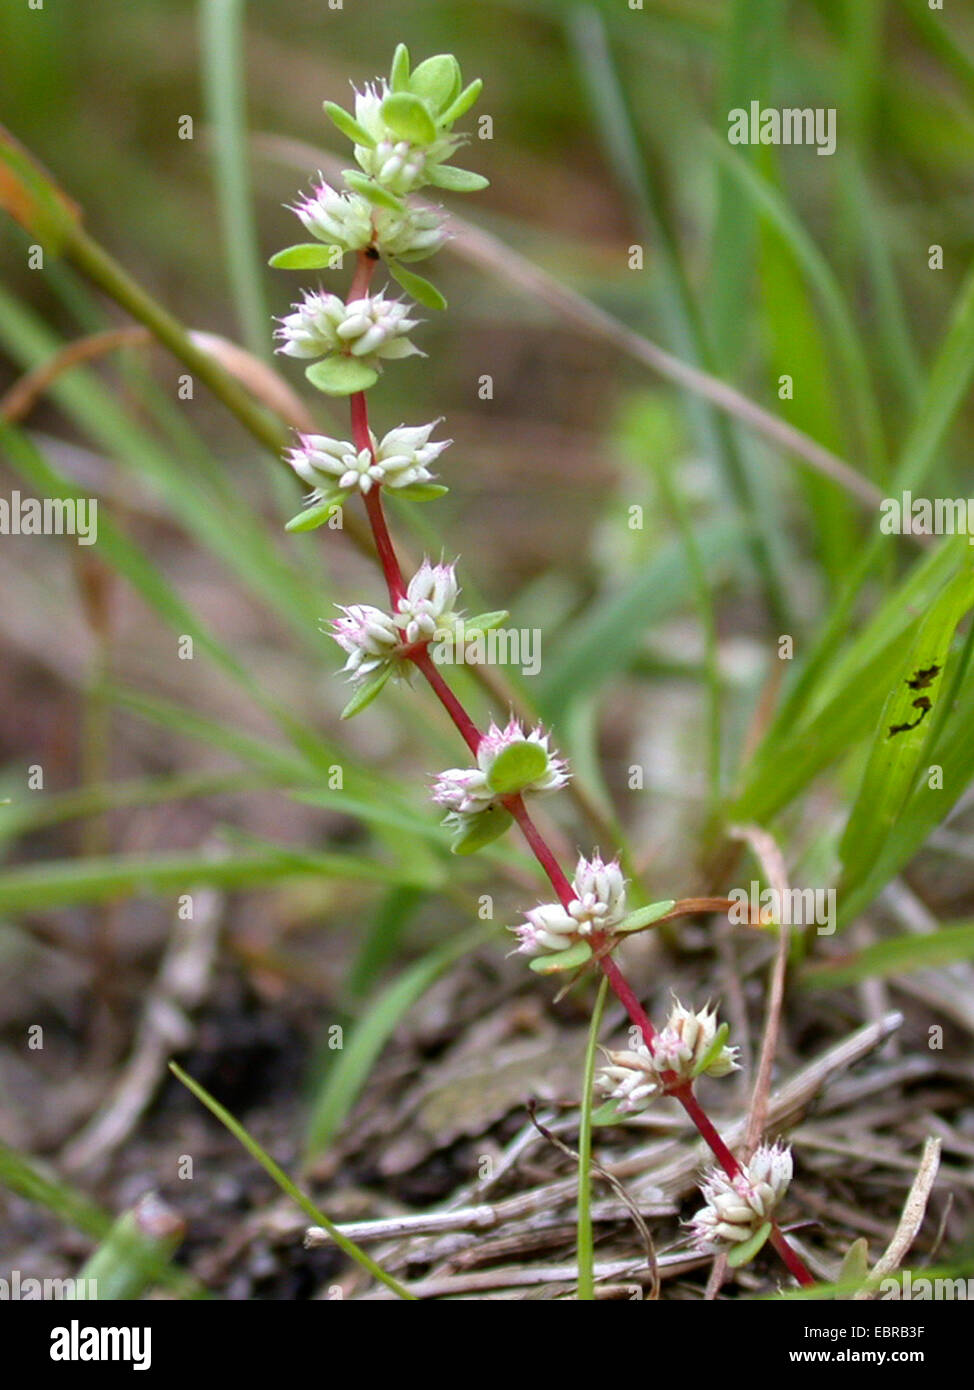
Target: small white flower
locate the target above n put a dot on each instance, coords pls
(637, 1077)
(401, 458)
(370, 327)
(466, 791)
(601, 891)
(426, 610)
(462, 791)
(681, 1046)
(736, 1208)
(496, 741)
(405, 454)
(338, 219)
(374, 325)
(599, 904)
(396, 164)
(630, 1079)
(410, 235)
(369, 637)
(311, 330)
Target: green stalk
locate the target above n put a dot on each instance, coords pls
(221, 34)
(349, 1247)
(585, 1246)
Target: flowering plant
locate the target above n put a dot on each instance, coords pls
(402, 129)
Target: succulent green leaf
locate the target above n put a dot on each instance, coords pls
(399, 73)
(421, 290)
(714, 1050)
(517, 766)
(569, 959)
(348, 125)
(481, 829)
(608, 1114)
(420, 492)
(744, 1253)
(341, 376)
(437, 81)
(408, 117)
(371, 191)
(463, 102)
(306, 255)
(456, 180)
(484, 622)
(855, 1264)
(316, 515)
(366, 693)
(645, 916)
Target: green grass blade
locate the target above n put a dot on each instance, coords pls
(351, 1066)
(289, 1188)
(584, 1243)
(900, 955)
(222, 34)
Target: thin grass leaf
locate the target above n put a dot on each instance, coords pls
(349, 1069)
(289, 1188)
(584, 1245)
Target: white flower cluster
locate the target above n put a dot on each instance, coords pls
(465, 792)
(738, 1207)
(369, 328)
(598, 906)
(401, 166)
(374, 640)
(401, 458)
(350, 222)
(681, 1051)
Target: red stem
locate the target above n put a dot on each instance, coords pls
(467, 728)
(795, 1264)
(515, 804)
(684, 1094)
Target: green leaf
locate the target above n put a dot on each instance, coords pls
(899, 955)
(484, 622)
(456, 180)
(562, 960)
(516, 767)
(399, 72)
(585, 1246)
(370, 190)
(463, 102)
(420, 289)
(906, 725)
(313, 517)
(419, 492)
(306, 255)
(349, 1069)
(855, 1265)
(744, 1253)
(407, 116)
(437, 80)
(481, 830)
(348, 125)
(714, 1050)
(644, 916)
(277, 1173)
(341, 376)
(366, 693)
(608, 1114)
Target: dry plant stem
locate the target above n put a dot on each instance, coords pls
(515, 804)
